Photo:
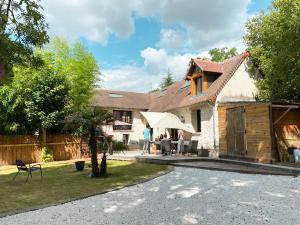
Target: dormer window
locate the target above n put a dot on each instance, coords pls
(199, 87)
(202, 74)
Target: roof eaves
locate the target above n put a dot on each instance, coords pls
(246, 54)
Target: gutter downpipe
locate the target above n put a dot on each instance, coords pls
(214, 124)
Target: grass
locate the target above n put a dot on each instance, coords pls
(62, 183)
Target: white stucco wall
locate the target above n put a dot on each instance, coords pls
(206, 136)
(136, 133)
(209, 118)
(240, 87)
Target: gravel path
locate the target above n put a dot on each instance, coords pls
(184, 196)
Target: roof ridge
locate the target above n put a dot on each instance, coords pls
(207, 60)
(245, 54)
(113, 91)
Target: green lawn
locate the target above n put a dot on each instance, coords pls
(61, 182)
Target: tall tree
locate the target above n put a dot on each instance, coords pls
(34, 100)
(22, 27)
(80, 69)
(220, 54)
(273, 38)
(167, 80)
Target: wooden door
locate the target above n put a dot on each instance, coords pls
(235, 131)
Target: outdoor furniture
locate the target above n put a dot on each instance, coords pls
(174, 146)
(21, 166)
(79, 165)
(191, 147)
(158, 145)
(166, 146)
(141, 144)
(153, 148)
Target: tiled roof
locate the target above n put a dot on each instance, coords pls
(121, 99)
(209, 66)
(176, 95)
(229, 68)
(171, 98)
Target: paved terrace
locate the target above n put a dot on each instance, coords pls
(208, 163)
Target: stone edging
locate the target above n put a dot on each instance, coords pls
(2, 215)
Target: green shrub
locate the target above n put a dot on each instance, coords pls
(47, 154)
(118, 146)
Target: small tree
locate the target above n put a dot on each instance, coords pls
(86, 122)
(220, 54)
(167, 80)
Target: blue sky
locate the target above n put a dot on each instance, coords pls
(135, 42)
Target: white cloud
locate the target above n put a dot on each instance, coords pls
(159, 61)
(148, 76)
(206, 23)
(203, 23)
(190, 29)
(172, 39)
(95, 20)
(126, 78)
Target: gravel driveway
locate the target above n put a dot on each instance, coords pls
(184, 196)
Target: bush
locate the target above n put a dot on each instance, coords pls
(47, 154)
(118, 146)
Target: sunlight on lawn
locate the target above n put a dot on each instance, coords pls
(62, 182)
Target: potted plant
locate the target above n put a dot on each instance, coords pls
(79, 165)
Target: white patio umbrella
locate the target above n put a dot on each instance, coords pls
(165, 120)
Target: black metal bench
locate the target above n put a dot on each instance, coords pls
(21, 166)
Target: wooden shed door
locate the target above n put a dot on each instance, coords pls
(235, 131)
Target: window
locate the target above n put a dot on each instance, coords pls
(123, 120)
(198, 120)
(211, 78)
(115, 95)
(198, 86)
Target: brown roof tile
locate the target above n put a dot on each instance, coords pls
(170, 98)
(121, 99)
(176, 95)
(229, 68)
(209, 66)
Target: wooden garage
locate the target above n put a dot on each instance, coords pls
(258, 131)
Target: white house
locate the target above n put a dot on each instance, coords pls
(194, 100)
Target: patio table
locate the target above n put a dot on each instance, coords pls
(173, 145)
(153, 145)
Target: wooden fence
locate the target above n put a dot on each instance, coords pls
(28, 148)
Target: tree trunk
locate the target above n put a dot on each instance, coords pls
(93, 149)
(2, 70)
(44, 137)
(103, 166)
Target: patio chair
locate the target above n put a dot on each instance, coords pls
(141, 144)
(21, 166)
(191, 147)
(165, 146)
